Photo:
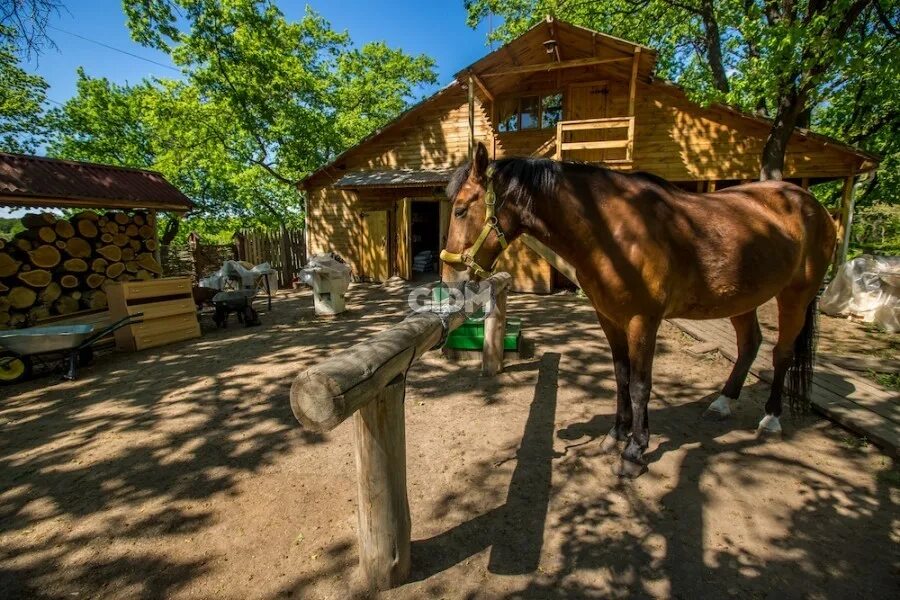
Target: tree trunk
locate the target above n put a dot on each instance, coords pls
(790, 107)
(170, 231)
(712, 40)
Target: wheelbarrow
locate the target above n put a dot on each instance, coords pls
(72, 345)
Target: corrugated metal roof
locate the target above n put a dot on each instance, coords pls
(39, 181)
(394, 178)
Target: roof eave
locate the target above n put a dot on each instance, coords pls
(302, 184)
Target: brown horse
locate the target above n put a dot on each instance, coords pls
(644, 251)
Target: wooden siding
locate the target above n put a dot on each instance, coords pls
(680, 140)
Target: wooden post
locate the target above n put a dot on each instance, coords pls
(379, 436)
(471, 116)
(559, 140)
(287, 266)
(151, 221)
(494, 332)
(632, 90)
(368, 382)
(843, 229)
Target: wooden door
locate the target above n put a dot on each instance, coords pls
(444, 216)
(404, 249)
(586, 101)
(374, 259)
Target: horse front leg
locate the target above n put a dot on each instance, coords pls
(618, 344)
(641, 334)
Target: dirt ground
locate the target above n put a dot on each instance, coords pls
(180, 472)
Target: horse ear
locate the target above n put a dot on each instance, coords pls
(480, 162)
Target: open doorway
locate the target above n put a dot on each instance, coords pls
(425, 239)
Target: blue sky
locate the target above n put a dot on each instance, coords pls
(434, 27)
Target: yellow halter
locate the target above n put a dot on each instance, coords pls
(491, 223)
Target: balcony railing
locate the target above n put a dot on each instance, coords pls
(620, 129)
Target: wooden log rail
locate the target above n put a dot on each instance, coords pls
(368, 382)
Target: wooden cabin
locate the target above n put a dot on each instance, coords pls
(557, 91)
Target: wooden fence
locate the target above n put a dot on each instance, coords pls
(284, 250)
(195, 260)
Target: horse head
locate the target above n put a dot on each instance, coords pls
(481, 224)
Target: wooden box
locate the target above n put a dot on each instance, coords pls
(169, 312)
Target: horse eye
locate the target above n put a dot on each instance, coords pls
(460, 212)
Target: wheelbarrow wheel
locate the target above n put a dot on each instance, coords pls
(13, 367)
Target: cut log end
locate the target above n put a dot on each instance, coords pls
(317, 402)
(21, 297)
(45, 257)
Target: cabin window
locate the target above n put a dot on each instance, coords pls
(551, 110)
(529, 112)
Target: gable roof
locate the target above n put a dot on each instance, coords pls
(37, 181)
(583, 44)
(572, 43)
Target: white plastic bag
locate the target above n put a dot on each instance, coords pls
(235, 271)
(327, 266)
(867, 287)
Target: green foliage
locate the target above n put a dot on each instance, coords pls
(21, 98)
(876, 229)
(10, 227)
(263, 102)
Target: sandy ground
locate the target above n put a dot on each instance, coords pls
(180, 472)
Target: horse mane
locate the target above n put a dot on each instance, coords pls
(524, 180)
(457, 180)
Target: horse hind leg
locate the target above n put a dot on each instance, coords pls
(749, 338)
(792, 355)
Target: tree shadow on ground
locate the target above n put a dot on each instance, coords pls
(112, 485)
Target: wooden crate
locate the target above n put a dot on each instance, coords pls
(169, 312)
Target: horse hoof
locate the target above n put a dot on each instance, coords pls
(719, 410)
(609, 443)
(625, 469)
(769, 426)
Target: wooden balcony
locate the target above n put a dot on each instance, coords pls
(581, 136)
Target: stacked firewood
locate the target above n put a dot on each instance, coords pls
(61, 266)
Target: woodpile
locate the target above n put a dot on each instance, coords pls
(59, 266)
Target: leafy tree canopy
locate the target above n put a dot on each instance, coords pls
(21, 100)
(262, 102)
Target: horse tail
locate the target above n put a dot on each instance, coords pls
(800, 373)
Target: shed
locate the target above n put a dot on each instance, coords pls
(558, 91)
(58, 266)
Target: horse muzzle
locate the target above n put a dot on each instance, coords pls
(467, 260)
